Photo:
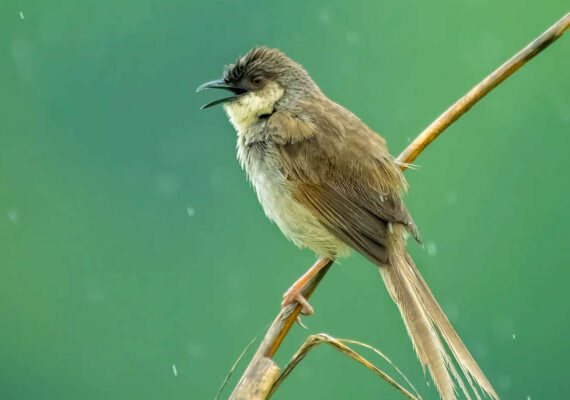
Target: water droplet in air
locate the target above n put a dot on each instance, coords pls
(431, 248)
(174, 370)
(13, 215)
(325, 17)
(166, 184)
(450, 198)
(352, 38)
(190, 211)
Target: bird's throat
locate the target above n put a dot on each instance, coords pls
(247, 109)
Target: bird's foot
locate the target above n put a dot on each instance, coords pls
(293, 294)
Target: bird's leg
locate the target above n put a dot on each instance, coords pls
(294, 292)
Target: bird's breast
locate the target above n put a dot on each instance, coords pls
(260, 160)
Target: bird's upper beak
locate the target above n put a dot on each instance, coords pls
(221, 84)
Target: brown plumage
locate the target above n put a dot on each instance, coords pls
(330, 184)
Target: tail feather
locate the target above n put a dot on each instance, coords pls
(428, 347)
(427, 324)
(464, 358)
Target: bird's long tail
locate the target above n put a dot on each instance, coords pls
(427, 325)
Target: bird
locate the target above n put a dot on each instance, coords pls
(329, 183)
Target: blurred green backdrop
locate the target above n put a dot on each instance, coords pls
(130, 241)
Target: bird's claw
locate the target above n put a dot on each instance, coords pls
(301, 322)
(294, 294)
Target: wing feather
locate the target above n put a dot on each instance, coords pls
(344, 174)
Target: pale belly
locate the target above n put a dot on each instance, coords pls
(274, 192)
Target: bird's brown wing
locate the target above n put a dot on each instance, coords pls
(342, 171)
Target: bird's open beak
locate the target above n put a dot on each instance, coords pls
(221, 84)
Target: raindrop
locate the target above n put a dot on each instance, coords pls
(166, 184)
(190, 211)
(452, 311)
(431, 248)
(504, 326)
(325, 17)
(174, 370)
(24, 57)
(352, 38)
(21, 15)
(514, 336)
(95, 291)
(223, 180)
(450, 198)
(196, 350)
(13, 215)
(504, 382)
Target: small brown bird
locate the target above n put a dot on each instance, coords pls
(330, 184)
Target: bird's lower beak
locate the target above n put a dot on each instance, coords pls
(221, 84)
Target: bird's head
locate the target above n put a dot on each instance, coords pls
(261, 82)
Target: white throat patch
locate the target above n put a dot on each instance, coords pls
(245, 110)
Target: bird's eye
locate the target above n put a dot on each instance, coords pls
(257, 81)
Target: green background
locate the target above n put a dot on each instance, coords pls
(130, 240)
